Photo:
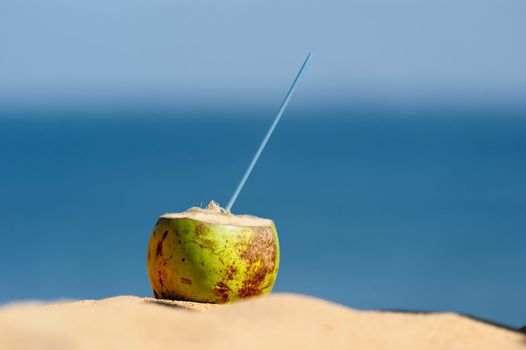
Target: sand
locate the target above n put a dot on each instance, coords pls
(279, 321)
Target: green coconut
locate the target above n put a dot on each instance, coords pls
(210, 255)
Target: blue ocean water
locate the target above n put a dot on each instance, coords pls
(375, 210)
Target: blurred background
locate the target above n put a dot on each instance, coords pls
(396, 177)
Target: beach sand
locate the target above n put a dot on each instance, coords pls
(279, 321)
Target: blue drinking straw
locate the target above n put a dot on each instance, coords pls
(269, 133)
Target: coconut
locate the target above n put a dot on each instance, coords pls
(210, 255)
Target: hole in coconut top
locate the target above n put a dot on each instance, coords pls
(214, 214)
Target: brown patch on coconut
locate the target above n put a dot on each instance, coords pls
(260, 255)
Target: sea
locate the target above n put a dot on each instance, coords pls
(416, 210)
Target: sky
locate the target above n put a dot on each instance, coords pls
(61, 52)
